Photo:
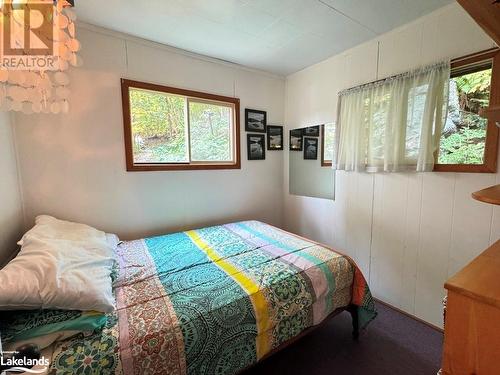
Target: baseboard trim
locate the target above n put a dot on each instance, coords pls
(439, 329)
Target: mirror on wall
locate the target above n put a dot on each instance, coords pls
(311, 153)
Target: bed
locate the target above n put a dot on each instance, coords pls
(215, 300)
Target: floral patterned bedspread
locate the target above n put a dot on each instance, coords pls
(214, 301)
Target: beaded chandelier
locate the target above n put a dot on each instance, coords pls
(38, 46)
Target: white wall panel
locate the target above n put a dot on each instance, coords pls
(11, 218)
(434, 244)
(359, 219)
(340, 210)
(451, 32)
(408, 276)
(73, 166)
(389, 225)
(425, 226)
(471, 220)
(360, 67)
(401, 50)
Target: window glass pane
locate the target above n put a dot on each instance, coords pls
(211, 135)
(464, 133)
(329, 143)
(158, 127)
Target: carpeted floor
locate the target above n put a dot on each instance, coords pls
(393, 344)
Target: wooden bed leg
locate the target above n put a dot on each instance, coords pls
(353, 310)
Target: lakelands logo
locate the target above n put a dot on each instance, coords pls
(9, 363)
(28, 28)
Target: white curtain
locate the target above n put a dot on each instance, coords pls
(395, 124)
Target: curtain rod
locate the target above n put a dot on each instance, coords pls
(396, 76)
(463, 60)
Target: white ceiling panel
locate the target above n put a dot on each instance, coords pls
(317, 18)
(274, 7)
(279, 36)
(384, 15)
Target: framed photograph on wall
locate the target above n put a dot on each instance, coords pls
(311, 148)
(312, 131)
(255, 121)
(296, 140)
(256, 147)
(274, 137)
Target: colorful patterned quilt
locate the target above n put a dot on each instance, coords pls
(214, 301)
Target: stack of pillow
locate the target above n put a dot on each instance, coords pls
(59, 284)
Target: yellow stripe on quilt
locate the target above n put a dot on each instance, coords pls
(259, 302)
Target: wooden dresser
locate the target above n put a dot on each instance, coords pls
(472, 324)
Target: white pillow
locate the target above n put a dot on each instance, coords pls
(61, 265)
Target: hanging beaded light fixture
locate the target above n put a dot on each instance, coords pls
(34, 79)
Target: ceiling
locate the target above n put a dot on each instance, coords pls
(278, 36)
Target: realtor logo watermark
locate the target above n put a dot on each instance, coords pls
(13, 364)
(28, 30)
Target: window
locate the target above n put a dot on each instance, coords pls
(327, 144)
(469, 142)
(393, 124)
(173, 129)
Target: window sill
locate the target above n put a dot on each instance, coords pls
(180, 167)
(464, 168)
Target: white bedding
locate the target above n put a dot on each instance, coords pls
(61, 265)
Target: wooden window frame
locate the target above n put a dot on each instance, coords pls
(491, 143)
(324, 163)
(126, 84)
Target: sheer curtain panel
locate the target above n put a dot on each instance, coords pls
(394, 124)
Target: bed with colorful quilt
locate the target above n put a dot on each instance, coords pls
(214, 300)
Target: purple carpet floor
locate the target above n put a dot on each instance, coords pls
(393, 344)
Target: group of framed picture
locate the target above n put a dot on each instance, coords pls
(306, 140)
(256, 122)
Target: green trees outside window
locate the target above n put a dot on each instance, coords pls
(464, 134)
(168, 128)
